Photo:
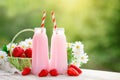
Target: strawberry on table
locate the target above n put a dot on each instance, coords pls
(76, 68)
(72, 72)
(53, 72)
(26, 71)
(43, 73)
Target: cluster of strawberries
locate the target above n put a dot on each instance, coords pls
(42, 73)
(72, 71)
(20, 52)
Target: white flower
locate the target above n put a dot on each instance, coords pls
(83, 58)
(79, 57)
(78, 47)
(23, 45)
(29, 42)
(77, 54)
(3, 57)
(12, 46)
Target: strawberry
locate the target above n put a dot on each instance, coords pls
(28, 53)
(43, 73)
(26, 71)
(72, 72)
(53, 72)
(18, 51)
(76, 68)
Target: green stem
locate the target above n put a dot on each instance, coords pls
(17, 36)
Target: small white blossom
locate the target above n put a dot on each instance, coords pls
(29, 42)
(23, 45)
(3, 57)
(12, 46)
(83, 58)
(77, 54)
(78, 47)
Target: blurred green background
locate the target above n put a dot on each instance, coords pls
(94, 22)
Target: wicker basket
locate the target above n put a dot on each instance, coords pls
(20, 63)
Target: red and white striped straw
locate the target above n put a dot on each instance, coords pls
(53, 19)
(43, 19)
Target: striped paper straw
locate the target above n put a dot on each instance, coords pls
(53, 19)
(43, 19)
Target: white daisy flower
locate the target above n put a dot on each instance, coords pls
(78, 47)
(83, 58)
(29, 42)
(23, 45)
(12, 46)
(3, 57)
(77, 54)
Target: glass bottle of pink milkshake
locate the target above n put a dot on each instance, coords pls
(58, 54)
(40, 59)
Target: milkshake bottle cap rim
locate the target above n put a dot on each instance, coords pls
(40, 29)
(59, 29)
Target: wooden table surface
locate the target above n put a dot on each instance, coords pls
(86, 75)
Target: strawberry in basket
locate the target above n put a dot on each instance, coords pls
(28, 53)
(18, 51)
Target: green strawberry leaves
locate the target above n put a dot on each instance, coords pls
(4, 48)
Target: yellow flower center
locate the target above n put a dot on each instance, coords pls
(29, 43)
(82, 58)
(13, 46)
(23, 46)
(77, 47)
(1, 57)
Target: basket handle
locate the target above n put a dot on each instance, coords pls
(24, 30)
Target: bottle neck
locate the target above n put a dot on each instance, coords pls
(40, 30)
(58, 31)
